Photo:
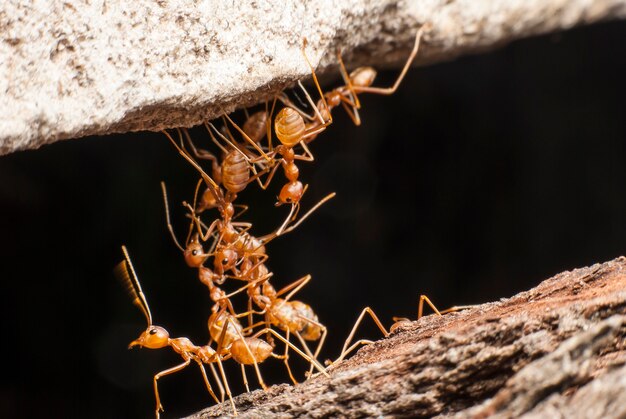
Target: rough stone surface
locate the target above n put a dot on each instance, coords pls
(70, 69)
(558, 350)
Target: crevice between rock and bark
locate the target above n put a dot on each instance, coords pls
(71, 69)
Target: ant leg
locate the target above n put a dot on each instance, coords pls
(285, 359)
(314, 131)
(203, 236)
(256, 367)
(352, 113)
(346, 78)
(294, 348)
(228, 393)
(282, 227)
(269, 177)
(309, 212)
(206, 381)
(250, 313)
(250, 328)
(243, 207)
(289, 103)
(439, 313)
(319, 89)
(209, 126)
(297, 284)
(248, 139)
(315, 109)
(218, 381)
(207, 179)
(270, 146)
(201, 153)
(305, 347)
(457, 308)
(345, 351)
(245, 378)
(159, 407)
(319, 345)
(308, 156)
(257, 175)
(392, 89)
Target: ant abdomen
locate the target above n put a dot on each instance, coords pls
(235, 172)
(363, 77)
(289, 126)
(255, 126)
(247, 351)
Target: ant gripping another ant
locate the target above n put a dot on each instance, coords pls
(234, 243)
(292, 317)
(360, 80)
(224, 329)
(156, 337)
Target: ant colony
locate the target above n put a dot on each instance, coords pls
(273, 324)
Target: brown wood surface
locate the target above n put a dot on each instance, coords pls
(557, 350)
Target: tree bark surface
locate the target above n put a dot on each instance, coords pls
(71, 69)
(557, 350)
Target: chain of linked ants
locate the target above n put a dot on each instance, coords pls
(224, 249)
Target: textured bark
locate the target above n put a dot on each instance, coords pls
(558, 350)
(70, 69)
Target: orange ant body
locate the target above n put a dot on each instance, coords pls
(234, 243)
(398, 322)
(234, 170)
(225, 328)
(156, 337)
(293, 317)
(358, 81)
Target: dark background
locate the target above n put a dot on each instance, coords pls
(478, 179)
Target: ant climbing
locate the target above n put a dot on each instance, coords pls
(234, 242)
(398, 322)
(358, 81)
(291, 316)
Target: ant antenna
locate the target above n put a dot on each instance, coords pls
(125, 273)
(167, 217)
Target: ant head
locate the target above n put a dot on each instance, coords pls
(154, 337)
(363, 77)
(289, 126)
(225, 259)
(291, 193)
(194, 253)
